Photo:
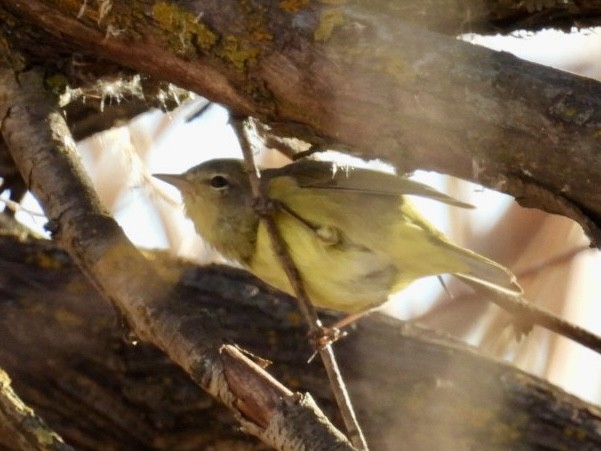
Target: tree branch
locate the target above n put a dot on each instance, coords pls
(307, 309)
(338, 75)
(410, 385)
(20, 428)
(43, 150)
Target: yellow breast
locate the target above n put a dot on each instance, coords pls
(337, 275)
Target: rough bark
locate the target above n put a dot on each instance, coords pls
(349, 76)
(65, 350)
(20, 428)
(44, 152)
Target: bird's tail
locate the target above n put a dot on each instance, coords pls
(484, 271)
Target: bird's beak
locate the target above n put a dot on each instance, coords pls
(177, 180)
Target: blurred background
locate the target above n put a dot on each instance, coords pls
(549, 254)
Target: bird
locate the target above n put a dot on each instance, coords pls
(353, 233)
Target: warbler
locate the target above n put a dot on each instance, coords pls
(352, 233)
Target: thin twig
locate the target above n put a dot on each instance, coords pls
(315, 327)
(16, 206)
(529, 271)
(36, 134)
(527, 314)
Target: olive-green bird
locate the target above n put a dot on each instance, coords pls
(352, 233)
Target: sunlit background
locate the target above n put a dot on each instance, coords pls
(548, 253)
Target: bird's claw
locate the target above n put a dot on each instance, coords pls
(326, 336)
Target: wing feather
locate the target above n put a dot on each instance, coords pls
(331, 176)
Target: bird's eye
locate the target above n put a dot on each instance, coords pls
(219, 182)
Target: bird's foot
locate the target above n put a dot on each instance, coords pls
(326, 336)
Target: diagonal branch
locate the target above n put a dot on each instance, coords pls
(525, 314)
(411, 385)
(41, 145)
(308, 310)
(337, 74)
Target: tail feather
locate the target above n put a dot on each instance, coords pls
(488, 273)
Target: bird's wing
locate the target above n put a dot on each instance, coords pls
(327, 175)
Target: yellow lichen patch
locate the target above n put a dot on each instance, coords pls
(237, 52)
(257, 26)
(597, 134)
(67, 318)
(329, 19)
(293, 6)
(188, 30)
(333, 2)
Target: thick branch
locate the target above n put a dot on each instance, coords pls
(306, 308)
(43, 150)
(497, 16)
(60, 342)
(352, 76)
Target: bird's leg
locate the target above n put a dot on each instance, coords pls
(328, 335)
(349, 319)
(322, 338)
